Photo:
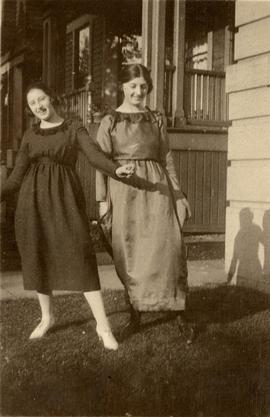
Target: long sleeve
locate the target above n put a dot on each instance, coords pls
(168, 164)
(94, 154)
(167, 157)
(104, 141)
(14, 181)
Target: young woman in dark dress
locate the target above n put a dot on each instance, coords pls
(51, 224)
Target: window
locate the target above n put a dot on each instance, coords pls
(197, 53)
(82, 58)
(78, 52)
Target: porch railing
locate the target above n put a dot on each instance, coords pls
(205, 99)
(77, 104)
(204, 96)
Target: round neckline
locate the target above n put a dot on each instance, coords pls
(51, 127)
(134, 117)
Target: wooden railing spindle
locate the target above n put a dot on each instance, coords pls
(204, 96)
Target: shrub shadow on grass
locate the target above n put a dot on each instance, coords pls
(205, 306)
(224, 304)
(224, 373)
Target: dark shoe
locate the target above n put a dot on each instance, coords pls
(135, 317)
(132, 326)
(181, 323)
(128, 330)
(190, 334)
(187, 330)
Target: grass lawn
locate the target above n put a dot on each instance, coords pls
(225, 373)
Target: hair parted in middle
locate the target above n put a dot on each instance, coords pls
(40, 85)
(131, 71)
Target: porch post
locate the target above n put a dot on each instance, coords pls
(227, 47)
(49, 51)
(147, 10)
(179, 62)
(158, 53)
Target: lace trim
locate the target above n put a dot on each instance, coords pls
(51, 130)
(147, 116)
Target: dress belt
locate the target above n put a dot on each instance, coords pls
(48, 160)
(122, 158)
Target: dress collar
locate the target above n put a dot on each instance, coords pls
(146, 116)
(51, 130)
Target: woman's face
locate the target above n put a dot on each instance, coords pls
(40, 104)
(135, 91)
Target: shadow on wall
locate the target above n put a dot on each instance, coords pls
(245, 264)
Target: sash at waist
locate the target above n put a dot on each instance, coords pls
(50, 160)
(128, 158)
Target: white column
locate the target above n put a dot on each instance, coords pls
(158, 53)
(49, 51)
(179, 62)
(147, 8)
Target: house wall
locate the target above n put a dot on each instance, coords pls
(248, 180)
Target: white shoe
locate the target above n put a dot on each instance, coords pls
(108, 339)
(42, 328)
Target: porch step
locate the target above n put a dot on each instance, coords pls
(199, 247)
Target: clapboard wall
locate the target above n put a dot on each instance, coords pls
(248, 179)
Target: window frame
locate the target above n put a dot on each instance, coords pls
(74, 27)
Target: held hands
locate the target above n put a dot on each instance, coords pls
(184, 211)
(125, 171)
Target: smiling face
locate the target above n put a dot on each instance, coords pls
(40, 104)
(135, 91)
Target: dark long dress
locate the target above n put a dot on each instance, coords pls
(147, 212)
(51, 224)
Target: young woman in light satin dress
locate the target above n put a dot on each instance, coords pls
(148, 210)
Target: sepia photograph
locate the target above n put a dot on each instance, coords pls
(135, 208)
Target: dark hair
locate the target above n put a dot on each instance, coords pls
(131, 71)
(40, 85)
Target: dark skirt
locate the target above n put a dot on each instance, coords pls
(52, 231)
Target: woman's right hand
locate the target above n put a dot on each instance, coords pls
(125, 171)
(103, 208)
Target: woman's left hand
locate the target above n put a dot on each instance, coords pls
(183, 210)
(125, 171)
(187, 206)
